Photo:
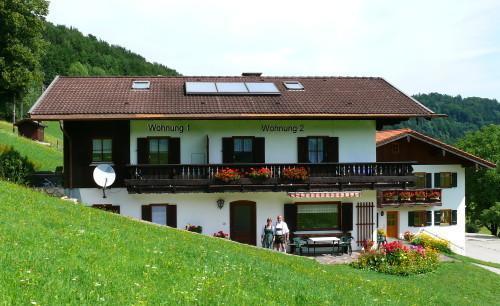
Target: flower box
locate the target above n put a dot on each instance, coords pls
(227, 175)
(295, 175)
(389, 196)
(434, 195)
(406, 196)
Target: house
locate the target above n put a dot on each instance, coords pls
(436, 205)
(225, 153)
(31, 129)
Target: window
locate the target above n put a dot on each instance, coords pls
(141, 84)
(159, 214)
(419, 218)
(158, 150)
(315, 149)
(101, 150)
(293, 85)
(445, 179)
(395, 148)
(318, 216)
(423, 180)
(243, 150)
(445, 217)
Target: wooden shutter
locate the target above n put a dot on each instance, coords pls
(142, 151)
(454, 179)
(437, 180)
(411, 218)
(428, 180)
(259, 150)
(428, 219)
(227, 150)
(332, 149)
(146, 213)
(172, 215)
(302, 150)
(437, 217)
(174, 150)
(346, 217)
(453, 217)
(290, 215)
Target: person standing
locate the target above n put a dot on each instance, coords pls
(268, 234)
(281, 234)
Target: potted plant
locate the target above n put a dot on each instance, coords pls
(295, 174)
(221, 234)
(405, 196)
(259, 174)
(194, 228)
(381, 234)
(434, 195)
(227, 175)
(420, 195)
(390, 196)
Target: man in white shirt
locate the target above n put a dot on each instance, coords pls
(281, 234)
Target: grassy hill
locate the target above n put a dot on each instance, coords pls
(56, 252)
(44, 157)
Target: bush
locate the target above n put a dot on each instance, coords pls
(428, 241)
(396, 258)
(14, 167)
(471, 227)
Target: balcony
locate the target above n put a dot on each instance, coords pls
(413, 197)
(318, 177)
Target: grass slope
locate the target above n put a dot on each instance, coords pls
(44, 157)
(55, 252)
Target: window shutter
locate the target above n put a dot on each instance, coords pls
(259, 150)
(454, 179)
(290, 215)
(302, 150)
(146, 212)
(174, 150)
(437, 217)
(411, 218)
(428, 219)
(346, 217)
(142, 151)
(227, 150)
(428, 180)
(172, 215)
(453, 217)
(437, 180)
(332, 149)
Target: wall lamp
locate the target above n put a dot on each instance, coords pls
(220, 203)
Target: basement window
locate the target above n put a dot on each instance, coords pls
(141, 85)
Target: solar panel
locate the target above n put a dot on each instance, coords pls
(234, 87)
(200, 87)
(262, 88)
(293, 85)
(141, 84)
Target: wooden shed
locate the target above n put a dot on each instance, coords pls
(30, 129)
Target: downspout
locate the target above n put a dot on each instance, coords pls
(70, 168)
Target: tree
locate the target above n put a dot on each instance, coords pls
(21, 46)
(491, 218)
(483, 185)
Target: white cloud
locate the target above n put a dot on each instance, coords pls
(445, 46)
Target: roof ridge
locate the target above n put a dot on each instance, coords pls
(217, 76)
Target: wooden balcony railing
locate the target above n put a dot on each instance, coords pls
(325, 175)
(398, 197)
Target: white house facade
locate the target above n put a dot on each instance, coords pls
(226, 153)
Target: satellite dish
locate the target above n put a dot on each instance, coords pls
(104, 176)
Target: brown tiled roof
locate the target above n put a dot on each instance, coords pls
(388, 136)
(323, 97)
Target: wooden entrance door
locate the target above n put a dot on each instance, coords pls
(392, 224)
(242, 222)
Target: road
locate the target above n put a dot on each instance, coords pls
(483, 247)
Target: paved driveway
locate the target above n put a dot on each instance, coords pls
(483, 247)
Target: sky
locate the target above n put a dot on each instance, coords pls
(450, 47)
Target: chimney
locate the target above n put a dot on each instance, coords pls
(251, 74)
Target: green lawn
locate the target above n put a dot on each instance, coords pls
(56, 252)
(44, 157)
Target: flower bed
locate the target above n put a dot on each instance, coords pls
(396, 258)
(428, 241)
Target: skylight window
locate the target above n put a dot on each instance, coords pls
(293, 85)
(141, 85)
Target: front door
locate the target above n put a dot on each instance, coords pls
(392, 224)
(242, 222)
